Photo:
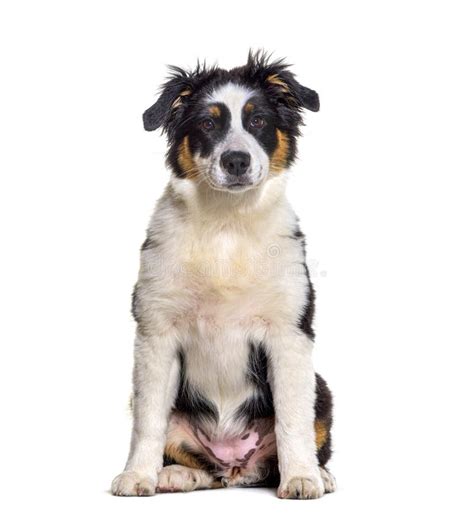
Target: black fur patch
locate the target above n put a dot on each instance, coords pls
(168, 460)
(206, 141)
(261, 404)
(199, 140)
(298, 234)
(134, 309)
(149, 243)
(272, 478)
(190, 401)
(266, 136)
(306, 320)
(323, 409)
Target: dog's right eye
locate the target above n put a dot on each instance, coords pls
(207, 125)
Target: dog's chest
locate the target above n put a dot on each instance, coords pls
(225, 282)
(225, 295)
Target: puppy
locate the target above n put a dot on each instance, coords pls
(224, 389)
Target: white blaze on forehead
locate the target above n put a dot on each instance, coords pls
(234, 97)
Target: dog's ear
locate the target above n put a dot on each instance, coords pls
(175, 93)
(284, 84)
(280, 83)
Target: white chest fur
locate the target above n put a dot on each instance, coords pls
(219, 282)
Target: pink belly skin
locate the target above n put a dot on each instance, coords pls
(232, 451)
(235, 454)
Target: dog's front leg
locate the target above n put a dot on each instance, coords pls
(155, 380)
(293, 386)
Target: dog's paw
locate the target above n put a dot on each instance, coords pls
(131, 483)
(176, 478)
(329, 481)
(302, 488)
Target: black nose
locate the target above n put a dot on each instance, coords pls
(235, 162)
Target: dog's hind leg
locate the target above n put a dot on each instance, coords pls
(328, 479)
(263, 474)
(178, 478)
(184, 468)
(322, 429)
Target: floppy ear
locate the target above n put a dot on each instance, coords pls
(284, 83)
(280, 82)
(170, 105)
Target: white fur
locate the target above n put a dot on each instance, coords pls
(226, 272)
(176, 478)
(237, 139)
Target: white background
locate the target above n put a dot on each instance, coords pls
(385, 193)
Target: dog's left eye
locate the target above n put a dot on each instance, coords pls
(257, 122)
(207, 125)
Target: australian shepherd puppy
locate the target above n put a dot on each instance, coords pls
(225, 392)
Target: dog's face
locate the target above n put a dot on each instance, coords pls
(231, 129)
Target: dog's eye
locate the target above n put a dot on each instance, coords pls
(257, 122)
(207, 125)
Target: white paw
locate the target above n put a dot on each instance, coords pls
(177, 478)
(302, 488)
(131, 483)
(329, 481)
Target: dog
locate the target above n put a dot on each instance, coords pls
(225, 393)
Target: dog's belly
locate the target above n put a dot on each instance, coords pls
(216, 373)
(230, 456)
(216, 355)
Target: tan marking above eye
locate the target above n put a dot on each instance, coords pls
(249, 107)
(279, 158)
(215, 111)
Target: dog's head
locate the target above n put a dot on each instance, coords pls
(233, 129)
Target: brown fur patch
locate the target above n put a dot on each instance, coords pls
(249, 107)
(181, 457)
(215, 111)
(279, 159)
(185, 159)
(275, 79)
(320, 428)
